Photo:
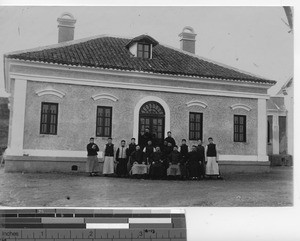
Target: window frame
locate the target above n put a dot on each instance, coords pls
(143, 51)
(201, 126)
(244, 124)
(103, 127)
(48, 122)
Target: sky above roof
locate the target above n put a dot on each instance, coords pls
(253, 39)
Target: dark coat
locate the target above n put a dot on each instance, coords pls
(184, 152)
(147, 136)
(148, 154)
(201, 151)
(131, 148)
(171, 140)
(109, 150)
(157, 157)
(137, 156)
(194, 167)
(91, 151)
(174, 157)
(157, 169)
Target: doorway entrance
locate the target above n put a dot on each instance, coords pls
(152, 116)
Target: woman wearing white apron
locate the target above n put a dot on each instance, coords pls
(212, 166)
(108, 166)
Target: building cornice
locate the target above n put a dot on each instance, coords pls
(136, 86)
(139, 74)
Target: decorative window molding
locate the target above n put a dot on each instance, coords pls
(196, 103)
(105, 96)
(241, 106)
(50, 91)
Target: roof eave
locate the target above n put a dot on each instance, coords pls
(265, 85)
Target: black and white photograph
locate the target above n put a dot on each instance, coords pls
(146, 106)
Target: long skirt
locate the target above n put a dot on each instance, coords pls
(173, 170)
(194, 169)
(212, 167)
(202, 169)
(129, 165)
(157, 171)
(108, 166)
(183, 170)
(92, 164)
(122, 167)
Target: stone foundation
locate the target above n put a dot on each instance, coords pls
(37, 164)
(46, 164)
(244, 166)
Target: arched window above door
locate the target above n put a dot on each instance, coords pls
(152, 108)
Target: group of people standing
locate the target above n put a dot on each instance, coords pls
(146, 160)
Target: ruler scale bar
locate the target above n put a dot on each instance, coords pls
(92, 224)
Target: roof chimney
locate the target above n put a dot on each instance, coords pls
(66, 25)
(187, 39)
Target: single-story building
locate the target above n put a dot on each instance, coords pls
(108, 86)
(280, 112)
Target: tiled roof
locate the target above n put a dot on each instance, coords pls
(110, 53)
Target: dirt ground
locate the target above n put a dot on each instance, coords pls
(267, 189)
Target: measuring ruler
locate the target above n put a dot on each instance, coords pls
(92, 224)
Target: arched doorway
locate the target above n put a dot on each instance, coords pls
(152, 116)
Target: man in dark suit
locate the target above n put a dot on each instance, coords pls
(201, 153)
(170, 139)
(147, 136)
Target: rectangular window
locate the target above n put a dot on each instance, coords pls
(195, 126)
(239, 127)
(104, 121)
(49, 114)
(143, 51)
